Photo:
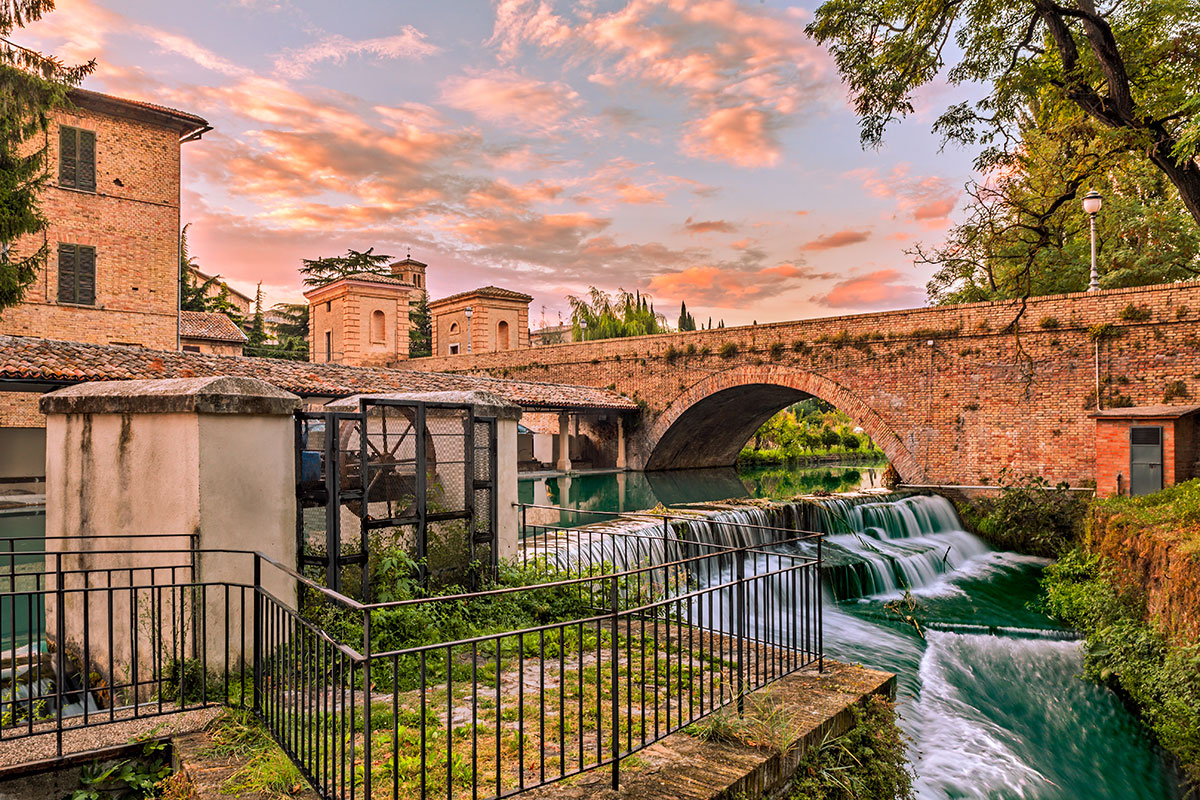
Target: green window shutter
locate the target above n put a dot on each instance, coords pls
(85, 275)
(66, 273)
(85, 167)
(67, 157)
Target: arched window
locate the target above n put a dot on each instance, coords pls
(453, 328)
(502, 341)
(378, 326)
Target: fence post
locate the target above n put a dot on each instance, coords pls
(367, 704)
(740, 625)
(60, 634)
(257, 638)
(820, 617)
(616, 687)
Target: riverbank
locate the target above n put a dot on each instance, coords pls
(1132, 588)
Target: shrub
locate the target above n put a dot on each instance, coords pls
(1173, 390)
(1049, 323)
(671, 354)
(1132, 313)
(1029, 516)
(728, 350)
(776, 351)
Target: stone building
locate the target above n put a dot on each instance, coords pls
(480, 321)
(360, 319)
(205, 332)
(112, 276)
(243, 303)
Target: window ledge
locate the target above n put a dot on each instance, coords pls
(80, 305)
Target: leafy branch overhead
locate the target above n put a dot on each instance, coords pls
(1130, 67)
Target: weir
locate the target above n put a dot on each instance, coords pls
(989, 688)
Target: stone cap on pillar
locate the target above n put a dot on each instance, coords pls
(220, 394)
(486, 404)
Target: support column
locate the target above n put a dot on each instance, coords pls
(564, 442)
(622, 461)
(203, 462)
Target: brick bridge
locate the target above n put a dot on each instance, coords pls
(951, 394)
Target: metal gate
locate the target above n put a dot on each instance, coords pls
(1145, 459)
(395, 473)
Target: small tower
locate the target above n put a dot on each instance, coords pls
(410, 271)
(480, 321)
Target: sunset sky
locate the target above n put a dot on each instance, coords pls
(698, 150)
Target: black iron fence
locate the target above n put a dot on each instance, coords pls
(647, 644)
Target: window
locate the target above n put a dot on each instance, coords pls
(77, 159)
(378, 326)
(453, 328)
(502, 338)
(191, 348)
(77, 274)
(454, 349)
(329, 345)
(328, 305)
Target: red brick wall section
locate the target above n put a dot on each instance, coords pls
(132, 220)
(982, 398)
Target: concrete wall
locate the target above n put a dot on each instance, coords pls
(22, 452)
(165, 464)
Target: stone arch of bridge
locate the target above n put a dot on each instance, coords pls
(709, 423)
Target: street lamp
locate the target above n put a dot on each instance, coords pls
(583, 330)
(470, 311)
(1091, 204)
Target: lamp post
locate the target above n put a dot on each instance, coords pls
(470, 311)
(1091, 204)
(583, 330)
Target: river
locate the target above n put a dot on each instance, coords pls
(989, 689)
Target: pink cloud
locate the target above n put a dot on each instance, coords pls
(410, 43)
(883, 288)
(928, 200)
(512, 100)
(743, 135)
(709, 226)
(838, 239)
(725, 287)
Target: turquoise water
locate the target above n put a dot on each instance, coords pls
(20, 531)
(989, 689)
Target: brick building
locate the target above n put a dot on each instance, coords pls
(484, 320)
(1144, 449)
(360, 319)
(112, 201)
(205, 332)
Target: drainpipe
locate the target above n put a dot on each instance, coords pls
(1097, 374)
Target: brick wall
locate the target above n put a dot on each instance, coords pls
(987, 395)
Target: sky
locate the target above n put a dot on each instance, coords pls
(693, 150)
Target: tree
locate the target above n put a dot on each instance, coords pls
(1130, 67)
(256, 334)
(851, 441)
(830, 438)
(292, 321)
(31, 86)
(686, 321)
(604, 316)
(198, 296)
(320, 271)
(420, 327)
(1025, 233)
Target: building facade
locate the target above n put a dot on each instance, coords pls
(359, 319)
(112, 274)
(483, 320)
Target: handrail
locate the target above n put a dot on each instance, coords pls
(698, 517)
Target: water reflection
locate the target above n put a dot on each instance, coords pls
(637, 491)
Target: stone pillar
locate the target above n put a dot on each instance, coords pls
(622, 461)
(564, 442)
(203, 462)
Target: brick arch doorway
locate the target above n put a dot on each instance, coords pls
(710, 422)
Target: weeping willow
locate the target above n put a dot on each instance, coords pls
(604, 316)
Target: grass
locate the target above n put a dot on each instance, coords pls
(267, 770)
(1171, 516)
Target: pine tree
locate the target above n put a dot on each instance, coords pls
(420, 327)
(686, 321)
(31, 85)
(320, 271)
(256, 337)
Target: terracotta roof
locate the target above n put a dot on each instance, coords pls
(1146, 412)
(206, 325)
(46, 361)
(182, 119)
(486, 291)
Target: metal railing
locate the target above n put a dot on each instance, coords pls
(614, 661)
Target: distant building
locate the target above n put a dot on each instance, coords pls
(360, 319)
(480, 321)
(550, 334)
(205, 332)
(112, 276)
(243, 303)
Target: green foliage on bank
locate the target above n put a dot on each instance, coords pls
(1125, 651)
(806, 430)
(1172, 514)
(868, 762)
(1029, 515)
